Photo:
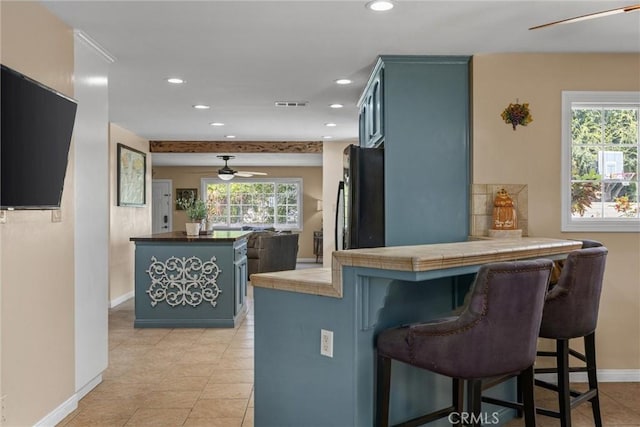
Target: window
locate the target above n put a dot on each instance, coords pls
(600, 144)
(257, 202)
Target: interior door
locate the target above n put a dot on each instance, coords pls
(161, 206)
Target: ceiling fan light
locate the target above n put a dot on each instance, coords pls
(225, 173)
(380, 5)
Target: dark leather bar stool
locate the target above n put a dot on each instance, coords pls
(495, 335)
(571, 311)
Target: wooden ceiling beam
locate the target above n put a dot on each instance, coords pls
(235, 146)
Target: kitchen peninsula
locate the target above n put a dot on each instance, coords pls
(365, 291)
(190, 282)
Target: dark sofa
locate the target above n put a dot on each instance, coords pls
(271, 251)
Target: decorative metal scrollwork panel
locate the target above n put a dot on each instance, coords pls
(183, 281)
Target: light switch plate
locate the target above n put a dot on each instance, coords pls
(56, 215)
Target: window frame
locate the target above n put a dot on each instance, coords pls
(298, 181)
(568, 222)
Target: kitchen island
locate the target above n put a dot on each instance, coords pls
(365, 291)
(190, 282)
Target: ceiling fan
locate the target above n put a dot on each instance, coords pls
(624, 9)
(226, 173)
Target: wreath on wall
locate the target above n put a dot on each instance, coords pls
(517, 114)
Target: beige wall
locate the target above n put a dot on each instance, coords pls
(125, 222)
(37, 316)
(189, 177)
(532, 155)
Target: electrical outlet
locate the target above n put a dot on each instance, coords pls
(326, 343)
(3, 217)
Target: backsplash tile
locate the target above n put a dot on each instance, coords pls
(482, 196)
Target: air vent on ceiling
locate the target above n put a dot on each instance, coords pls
(291, 103)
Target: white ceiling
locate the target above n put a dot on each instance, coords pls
(241, 56)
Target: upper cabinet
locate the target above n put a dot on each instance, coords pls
(417, 108)
(371, 111)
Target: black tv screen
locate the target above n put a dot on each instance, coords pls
(36, 126)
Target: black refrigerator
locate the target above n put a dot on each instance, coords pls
(360, 204)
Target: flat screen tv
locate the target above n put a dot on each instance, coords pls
(36, 126)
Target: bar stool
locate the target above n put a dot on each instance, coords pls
(571, 311)
(494, 335)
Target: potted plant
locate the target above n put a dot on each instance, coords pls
(196, 211)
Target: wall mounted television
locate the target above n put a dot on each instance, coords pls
(35, 133)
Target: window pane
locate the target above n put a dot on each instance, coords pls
(586, 126)
(621, 126)
(218, 208)
(292, 215)
(585, 200)
(584, 162)
(235, 198)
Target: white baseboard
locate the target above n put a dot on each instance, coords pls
(604, 376)
(122, 298)
(58, 414)
(70, 405)
(84, 390)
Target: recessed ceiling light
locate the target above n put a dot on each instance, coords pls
(343, 81)
(380, 5)
(201, 107)
(230, 136)
(330, 125)
(336, 105)
(327, 137)
(175, 80)
(216, 124)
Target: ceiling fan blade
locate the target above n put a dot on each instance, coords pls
(601, 14)
(248, 174)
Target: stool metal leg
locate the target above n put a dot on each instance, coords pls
(564, 396)
(590, 353)
(383, 385)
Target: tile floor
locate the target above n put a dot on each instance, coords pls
(204, 377)
(619, 406)
(172, 377)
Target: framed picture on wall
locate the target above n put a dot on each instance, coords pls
(132, 170)
(185, 194)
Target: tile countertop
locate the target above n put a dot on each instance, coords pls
(419, 258)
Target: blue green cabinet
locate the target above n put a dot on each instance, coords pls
(417, 109)
(183, 282)
(371, 110)
(240, 276)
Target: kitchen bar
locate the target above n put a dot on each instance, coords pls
(365, 291)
